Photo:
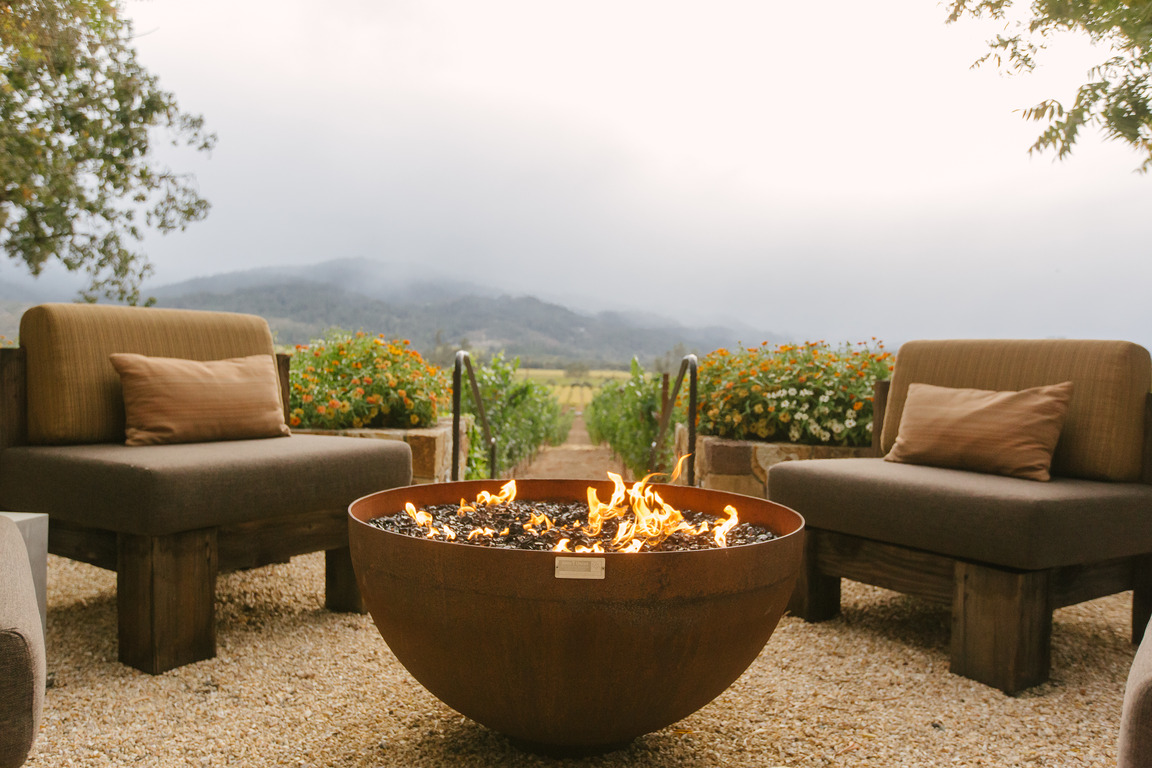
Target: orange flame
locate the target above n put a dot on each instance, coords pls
(646, 519)
(643, 519)
(506, 496)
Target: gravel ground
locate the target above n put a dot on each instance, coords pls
(295, 685)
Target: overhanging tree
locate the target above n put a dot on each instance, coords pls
(78, 115)
(1117, 97)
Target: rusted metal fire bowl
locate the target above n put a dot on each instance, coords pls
(575, 665)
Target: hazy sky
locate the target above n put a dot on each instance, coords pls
(830, 171)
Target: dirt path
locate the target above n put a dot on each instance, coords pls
(577, 459)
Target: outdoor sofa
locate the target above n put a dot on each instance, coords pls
(947, 512)
(22, 667)
(155, 440)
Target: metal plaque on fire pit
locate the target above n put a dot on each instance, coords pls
(579, 567)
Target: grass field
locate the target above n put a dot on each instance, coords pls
(573, 392)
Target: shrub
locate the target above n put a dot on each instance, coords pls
(522, 414)
(353, 380)
(808, 393)
(626, 415)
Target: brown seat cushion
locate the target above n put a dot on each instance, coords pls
(987, 518)
(162, 489)
(1006, 433)
(172, 400)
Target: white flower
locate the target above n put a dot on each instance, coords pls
(794, 433)
(837, 427)
(868, 426)
(825, 397)
(792, 391)
(850, 423)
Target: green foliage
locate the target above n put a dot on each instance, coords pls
(625, 413)
(809, 393)
(355, 380)
(522, 415)
(77, 119)
(1117, 97)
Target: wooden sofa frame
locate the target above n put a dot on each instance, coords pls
(1001, 616)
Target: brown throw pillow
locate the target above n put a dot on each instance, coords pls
(172, 400)
(1004, 433)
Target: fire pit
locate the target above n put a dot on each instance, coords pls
(572, 652)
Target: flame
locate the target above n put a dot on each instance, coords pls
(643, 519)
(721, 532)
(537, 519)
(506, 496)
(646, 519)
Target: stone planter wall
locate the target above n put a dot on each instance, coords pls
(431, 447)
(741, 466)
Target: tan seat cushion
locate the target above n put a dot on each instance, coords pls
(74, 393)
(1103, 435)
(1005, 433)
(171, 400)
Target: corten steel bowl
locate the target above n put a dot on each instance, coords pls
(573, 665)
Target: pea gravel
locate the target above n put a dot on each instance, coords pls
(295, 685)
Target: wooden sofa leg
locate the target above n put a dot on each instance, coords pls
(165, 599)
(341, 592)
(816, 596)
(1001, 626)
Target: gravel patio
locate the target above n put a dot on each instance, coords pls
(295, 685)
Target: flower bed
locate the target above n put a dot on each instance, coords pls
(760, 406)
(358, 385)
(811, 393)
(353, 380)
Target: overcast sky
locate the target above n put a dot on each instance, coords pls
(833, 171)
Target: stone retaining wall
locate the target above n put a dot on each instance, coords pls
(431, 447)
(741, 466)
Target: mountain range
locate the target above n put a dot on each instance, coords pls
(438, 315)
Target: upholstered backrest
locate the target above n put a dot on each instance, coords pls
(74, 393)
(1103, 435)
